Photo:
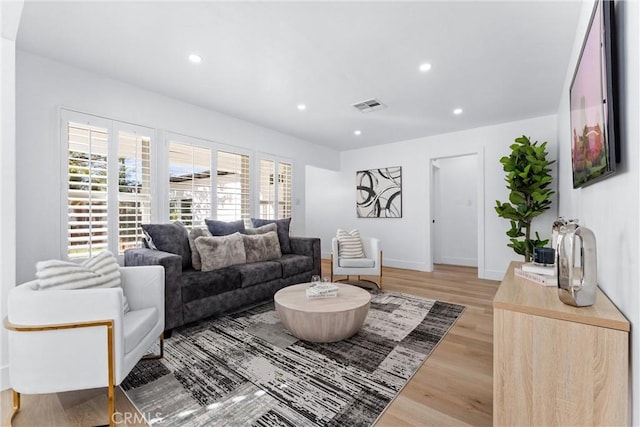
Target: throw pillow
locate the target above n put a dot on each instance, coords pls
(221, 251)
(100, 271)
(349, 244)
(172, 238)
(262, 247)
(283, 231)
(262, 230)
(196, 232)
(222, 228)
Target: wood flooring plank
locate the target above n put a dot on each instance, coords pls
(454, 387)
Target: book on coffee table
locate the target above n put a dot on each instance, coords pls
(326, 290)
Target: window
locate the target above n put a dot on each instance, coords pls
(275, 192)
(189, 183)
(134, 188)
(233, 190)
(87, 178)
(108, 179)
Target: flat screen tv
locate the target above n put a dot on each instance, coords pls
(595, 149)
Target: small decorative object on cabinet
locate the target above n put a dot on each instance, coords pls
(578, 291)
(554, 364)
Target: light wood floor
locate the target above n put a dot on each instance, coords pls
(453, 387)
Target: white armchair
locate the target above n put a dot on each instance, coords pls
(370, 265)
(62, 340)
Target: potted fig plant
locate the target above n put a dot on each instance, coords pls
(528, 180)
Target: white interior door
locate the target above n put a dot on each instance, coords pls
(455, 210)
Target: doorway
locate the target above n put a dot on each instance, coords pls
(455, 210)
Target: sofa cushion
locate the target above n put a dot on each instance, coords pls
(356, 262)
(197, 285)
(223, 228)
(221, 251)
(263, 229)
(196, 260)
(172, 238)
(258, 272)
(262, 247)
(295, 264)
(283, 231)
(136, 325)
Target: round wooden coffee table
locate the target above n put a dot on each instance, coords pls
(322, 319)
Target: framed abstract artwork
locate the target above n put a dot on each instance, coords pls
(379, 193)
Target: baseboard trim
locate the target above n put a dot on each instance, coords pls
(493, 275)
(467, 262)
(4, 377)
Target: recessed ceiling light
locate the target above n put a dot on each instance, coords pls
(425, 67)
(357, 132)
(302, 107)
(457, 111)
(196, 59)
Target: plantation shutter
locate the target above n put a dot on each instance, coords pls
(87, 148)
(284, 190)
(134, 188)
(267, 189)
(189, 183)
(233, 188)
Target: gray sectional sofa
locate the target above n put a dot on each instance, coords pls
(191, 295)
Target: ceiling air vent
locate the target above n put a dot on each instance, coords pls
(369, 105)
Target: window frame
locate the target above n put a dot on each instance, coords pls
(277, 160)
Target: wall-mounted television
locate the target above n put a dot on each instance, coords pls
(595, 149)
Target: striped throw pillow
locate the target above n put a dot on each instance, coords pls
(349, 244)
(100, 271)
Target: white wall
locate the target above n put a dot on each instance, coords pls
(456, 211)
(406, 241)
(43, 85)
(10, 13)
(610, 207)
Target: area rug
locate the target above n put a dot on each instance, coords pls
(245, 369)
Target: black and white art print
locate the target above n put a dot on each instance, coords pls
(379, 193)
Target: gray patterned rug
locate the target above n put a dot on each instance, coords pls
(244, 369)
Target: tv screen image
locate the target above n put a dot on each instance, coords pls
(592, 97)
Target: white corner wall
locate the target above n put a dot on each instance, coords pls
(406, 241)
(611, 207)
(10, 13)
(43, 86)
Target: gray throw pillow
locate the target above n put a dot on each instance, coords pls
(196, 232)
(283, 231)
(262, 230)
(262, 247)
(222, 228)
(100, 271)
(221, 251)
(172, 238)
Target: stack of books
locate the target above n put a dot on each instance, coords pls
(542, 274)
(324, 290)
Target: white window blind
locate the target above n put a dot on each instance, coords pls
(284, 190)
(275, 191)
(233, 189)
(134, 188)
(267, 189)
(189, 183)
(87, 207)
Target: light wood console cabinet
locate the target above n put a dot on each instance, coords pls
(554, 364)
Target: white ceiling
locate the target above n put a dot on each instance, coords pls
(499, 61)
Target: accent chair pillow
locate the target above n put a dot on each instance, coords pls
(221, 251)
(262, 247)
(100, 271)
(222, 228)
(172, 238)
(349, 244)
(196, 232)
(262, 230)
(283, 231)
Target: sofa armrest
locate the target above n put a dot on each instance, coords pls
(309, 246)
(172, 280)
